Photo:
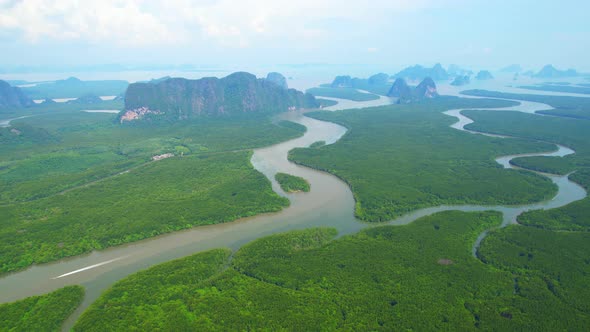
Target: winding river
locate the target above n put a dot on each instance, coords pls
(329, 204)
(6, 123)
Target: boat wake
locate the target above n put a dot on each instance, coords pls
(91, 267)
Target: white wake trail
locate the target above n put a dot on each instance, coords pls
(91, 267)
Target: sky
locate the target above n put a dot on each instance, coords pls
(473, 33)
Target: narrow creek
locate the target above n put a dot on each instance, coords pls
(330, 203)
(568, 191)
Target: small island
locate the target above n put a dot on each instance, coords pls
(290, 183)
(317, 144)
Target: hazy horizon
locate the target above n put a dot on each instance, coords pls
(475, 34)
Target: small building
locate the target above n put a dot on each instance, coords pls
(162, 156)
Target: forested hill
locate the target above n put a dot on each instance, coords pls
(12, 97)
(238, 93)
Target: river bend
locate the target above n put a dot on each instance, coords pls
(330, 203)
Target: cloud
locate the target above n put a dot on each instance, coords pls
(95, 21)
(152, 22)
(372, 50)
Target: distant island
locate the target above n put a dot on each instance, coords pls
(86, 99)
(74, 88)
(484, 75)
(239, 93)
(551, 72)
(12, 97)
(406, 94)
(346, 87)
(343, 81)
(373, 84)
(461, 80)
(417, 72)
(346, 81)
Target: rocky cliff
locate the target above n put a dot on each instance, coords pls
(238, 93)
(278, 79)
(426, 89)
(12, 97)
(400, 89)
(406, 94)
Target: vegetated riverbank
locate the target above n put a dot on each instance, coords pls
(506, 314)
(373, 280)
(72, 181)
(45, 155)
(164, 196)
(400, 158)
(569, 191)
(564, 106)
(281, 279)
(340, 222)
(570, 132)
(41, 313)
